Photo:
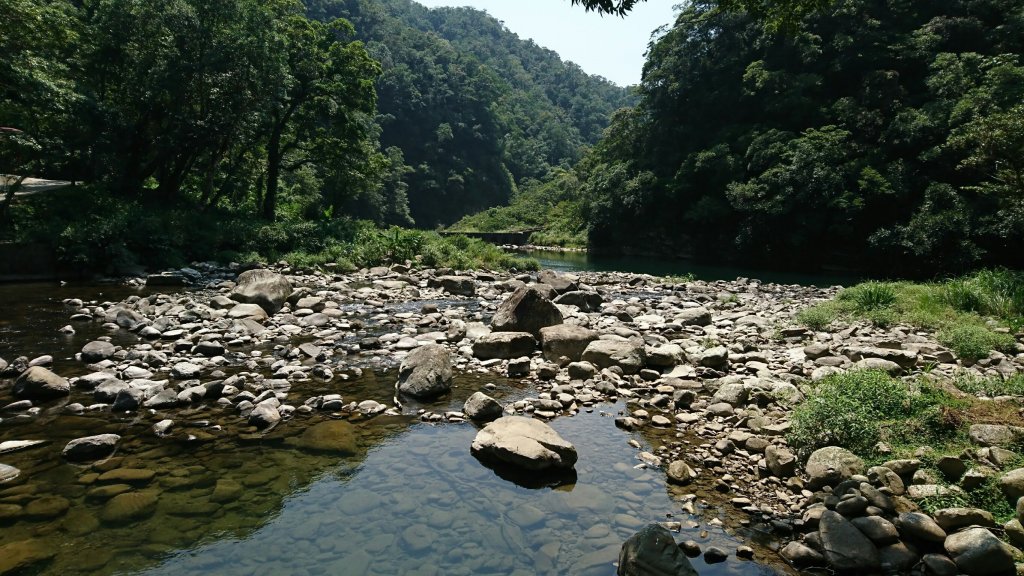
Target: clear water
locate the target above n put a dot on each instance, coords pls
(412, 500)
(582, 261)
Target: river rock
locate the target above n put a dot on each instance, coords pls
(716, 357)
(1012, 484)
(919, 527)
(504, 345)
(525, 310)
(897, 558)
(567, 340)
(482, 408)
(264, 415)
(977, 552)
(698, 316)
(97, 350)
(129, 506)
(252, 312)
(586, 301)
(458, 285)
(38, 383)
(780, 461)
(18, 557)
(845, 547)
(8, 473)
(953, 519)
(679, 472)
(524, 443)
(426, 372)
(335, 437)
(90, 447)
(108, 390)
(265, 288)
(801, 555)
(995, 434)
(626, 354)
(560, 283)
(653, 552)
(830, 465)
(878, 529)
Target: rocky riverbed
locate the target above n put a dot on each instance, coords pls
(708, 371)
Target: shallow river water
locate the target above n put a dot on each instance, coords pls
(412, 500)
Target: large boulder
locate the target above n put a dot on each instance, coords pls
(585, 300)
(526, 310)
(268, 289)
(567, 340)
(426, 372)
(653, 552)
(977, 552)
(995, 434)
(626, 354)
(524, 443)
(831, 465)
(97, 350)
(780, 461)
(1013, 484)
(504, 345)
(91, 447)
(559, 283)
(699, 316)
(482, 408)
(38, 383)
(459, 285)
(845, 547)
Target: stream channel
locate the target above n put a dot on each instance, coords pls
(413, 500)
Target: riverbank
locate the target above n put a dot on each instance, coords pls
(710, 374)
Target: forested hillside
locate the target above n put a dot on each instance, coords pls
(881, 132)
(474, 109)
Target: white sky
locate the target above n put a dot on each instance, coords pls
(609, 46)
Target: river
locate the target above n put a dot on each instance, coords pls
(412, 500)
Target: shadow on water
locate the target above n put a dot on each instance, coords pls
(584, 262)
(411, 499)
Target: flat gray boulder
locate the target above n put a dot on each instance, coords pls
(504, 345)
(96, 351)
(426, 372)
(626, 354)
(268, 289)
(845, 547)
(525, 310)
(524, 443)
(567, 340)
(831, 465)
(91, 447)
(978, 552)
(38, 383)
(653, 552)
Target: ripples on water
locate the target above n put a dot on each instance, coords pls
(413, 500)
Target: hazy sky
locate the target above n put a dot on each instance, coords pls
(610, 46)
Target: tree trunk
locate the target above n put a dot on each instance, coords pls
(273, 173)
(9, 191)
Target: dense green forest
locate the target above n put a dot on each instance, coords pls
(883, 133)
(276, 122)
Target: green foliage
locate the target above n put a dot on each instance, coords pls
(990, 386)
(988, 496)
(858, 409)
(818, 317)
(870, 296)
(820, 146)
(973, 341)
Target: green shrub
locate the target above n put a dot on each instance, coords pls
(818, 317)
(964, 295)
(847, 410)
(974, 341)
(870, 296)
(990, 386)
(987, 496)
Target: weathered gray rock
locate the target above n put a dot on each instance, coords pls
(458, 285)
(1015, 532)
(253, 312)
(830, 465)
(680, 472)
(939, 565)
(897, 558)
(482, 408)
(1012, 484)
(38, 383)
(524, 443)
(335, 437)
(995, 434)
(586, 301)
(526, 310)
(559, 283)
(780, 461)
(97, 350)
(877, 529)
(953, 519)
(977, 552)
(268, 289)
(426, 372)
(716, 357)
(8, 473)
(734, 394)
(567, 340)
(628, 354)
(801, 555)
(664, 356)
(264, 415)
(653, 552)
(919, 527)
(91, 447)
(185, 371)
(844, 546)
(504, 345)
(699, 316)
